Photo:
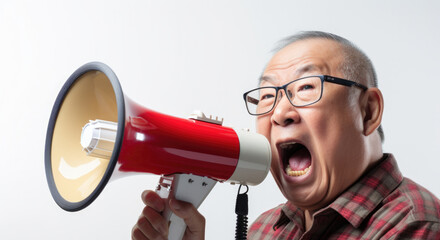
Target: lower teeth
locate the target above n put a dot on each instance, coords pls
(292, 173)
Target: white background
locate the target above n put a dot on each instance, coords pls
(178, 56)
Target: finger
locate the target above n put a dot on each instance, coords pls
(156, 220)
(143, 228)
(193, 219)
(152, 199)
(137, 234)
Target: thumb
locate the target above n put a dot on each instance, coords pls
(193, 219)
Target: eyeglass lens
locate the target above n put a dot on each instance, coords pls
(300, 93)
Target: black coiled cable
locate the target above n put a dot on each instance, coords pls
(241, 228)
(241, 209)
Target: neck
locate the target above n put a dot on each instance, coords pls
(308, 214)
(374, 150)
(308, 219)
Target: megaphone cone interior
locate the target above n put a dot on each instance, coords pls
(75, 178)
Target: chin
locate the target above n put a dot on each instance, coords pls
(310, 196)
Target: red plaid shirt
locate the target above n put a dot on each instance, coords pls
(381, 205)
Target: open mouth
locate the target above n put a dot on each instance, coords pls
(296, 158)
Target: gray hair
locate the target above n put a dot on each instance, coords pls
(356, 65)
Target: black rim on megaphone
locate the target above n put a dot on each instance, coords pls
(92, 66)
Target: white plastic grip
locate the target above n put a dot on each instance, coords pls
(185, 187)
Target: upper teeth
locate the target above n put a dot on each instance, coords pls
(287, 145)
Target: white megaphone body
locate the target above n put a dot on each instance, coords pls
(96, 134)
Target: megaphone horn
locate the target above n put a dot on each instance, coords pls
(95, 134)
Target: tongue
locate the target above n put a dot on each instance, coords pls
(300, 160)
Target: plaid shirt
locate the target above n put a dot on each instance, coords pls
(381, 205)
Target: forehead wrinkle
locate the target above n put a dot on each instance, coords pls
(312, 68)
(299, 72)
(282, 65)
(266, 78)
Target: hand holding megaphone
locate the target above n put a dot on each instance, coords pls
(152, 225)
(97, 134)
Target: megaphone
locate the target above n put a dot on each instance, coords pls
(96, 134)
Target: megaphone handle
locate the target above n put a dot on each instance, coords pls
(185, 187)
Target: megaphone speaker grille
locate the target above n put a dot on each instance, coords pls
(76, 179)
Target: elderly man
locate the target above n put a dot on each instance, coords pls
(319, 106)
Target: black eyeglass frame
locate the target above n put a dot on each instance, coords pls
(324, 78)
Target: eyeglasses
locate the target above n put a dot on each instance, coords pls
(300, 92)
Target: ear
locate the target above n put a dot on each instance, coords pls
(372, 110)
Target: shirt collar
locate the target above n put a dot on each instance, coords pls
(359, 200)
(365, 195)
(289, 212)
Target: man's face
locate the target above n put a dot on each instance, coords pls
(321, 143)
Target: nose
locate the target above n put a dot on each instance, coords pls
(284, 113)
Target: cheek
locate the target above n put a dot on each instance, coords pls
(336, 135)
(263, 126)
(319, 123)
(334, 120)
(326, 131)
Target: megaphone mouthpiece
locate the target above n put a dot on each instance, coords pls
(98, 138)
